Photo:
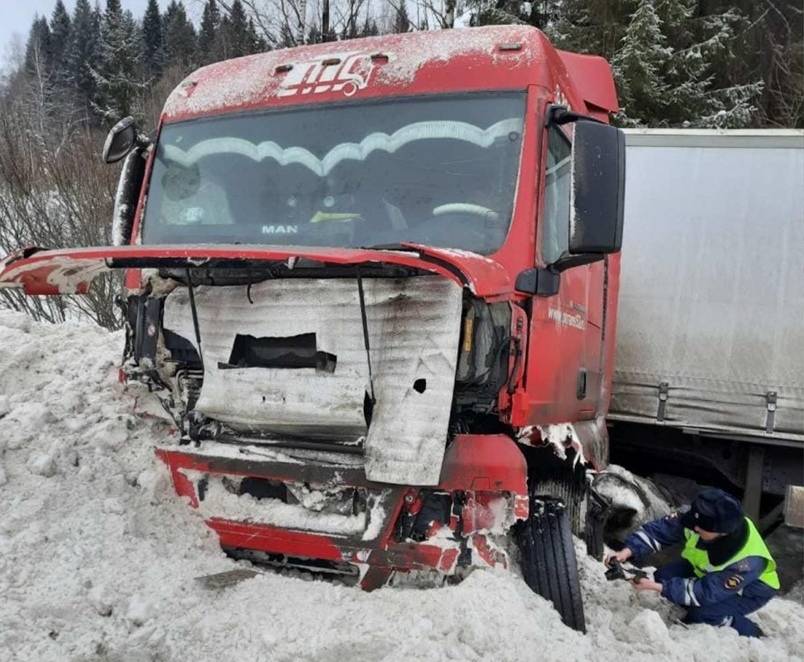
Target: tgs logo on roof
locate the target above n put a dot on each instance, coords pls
(346, 72)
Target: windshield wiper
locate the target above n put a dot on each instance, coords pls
(391, 247)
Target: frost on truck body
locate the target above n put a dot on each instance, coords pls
(413, 325)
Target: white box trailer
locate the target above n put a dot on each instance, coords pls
(710, 339)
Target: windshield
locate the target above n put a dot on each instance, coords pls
(439, 171)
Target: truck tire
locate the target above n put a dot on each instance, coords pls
(570, 489)
(562, 479)
(547, 557)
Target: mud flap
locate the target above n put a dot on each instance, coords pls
(375, 577)
(597, 510)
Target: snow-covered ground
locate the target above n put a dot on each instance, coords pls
(98, 558)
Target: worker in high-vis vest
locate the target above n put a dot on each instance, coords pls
(725, 571)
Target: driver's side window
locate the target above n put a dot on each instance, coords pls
(555, 219)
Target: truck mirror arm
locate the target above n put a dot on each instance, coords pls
(575, 260)
(538, 281)
(558, 115)
(545, 281)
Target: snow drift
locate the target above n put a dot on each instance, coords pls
(99, 559)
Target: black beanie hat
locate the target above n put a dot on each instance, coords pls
(714, 510)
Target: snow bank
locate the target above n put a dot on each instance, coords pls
(98, 559)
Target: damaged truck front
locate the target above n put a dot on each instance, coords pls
(373, 284)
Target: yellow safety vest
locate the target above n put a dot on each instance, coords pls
(754, 546)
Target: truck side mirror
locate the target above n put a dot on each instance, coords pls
(598, 189)
(122, 138)
(128, 192)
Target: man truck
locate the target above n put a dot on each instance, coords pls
(374, 285)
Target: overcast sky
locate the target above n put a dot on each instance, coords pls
(16, 16)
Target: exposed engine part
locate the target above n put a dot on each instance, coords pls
(169, 363)
(483, 360)
(259, 379)
(426, 511)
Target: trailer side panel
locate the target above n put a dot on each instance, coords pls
(711, 324)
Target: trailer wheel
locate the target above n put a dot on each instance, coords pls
(547, 556)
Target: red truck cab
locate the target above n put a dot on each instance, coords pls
(368, 280)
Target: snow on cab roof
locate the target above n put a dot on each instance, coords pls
(494, 57)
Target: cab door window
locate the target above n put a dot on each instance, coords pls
(555, 219)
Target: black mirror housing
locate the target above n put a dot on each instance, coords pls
(598, 189)
(122, 138)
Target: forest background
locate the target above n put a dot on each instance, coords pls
(677, 63)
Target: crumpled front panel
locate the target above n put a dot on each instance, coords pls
(414, 328)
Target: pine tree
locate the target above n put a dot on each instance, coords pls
(701, 44)
(179, 36)
(238, 33)
(640, 65)
(499, 12)
(768, 47)
(258, 44)
(666, 55)
(153, 54)
(314, 35)
(208, 46)
(401, 18)
(542, 14)
(370, 28)
(38, 49)
(82, 55)
(590, 26)
(116, 76)
(60, 32)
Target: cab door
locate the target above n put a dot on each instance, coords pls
(563, 373)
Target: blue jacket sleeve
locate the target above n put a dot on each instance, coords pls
(714, 587)
(651, 537)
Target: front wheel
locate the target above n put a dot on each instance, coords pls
(548, 559)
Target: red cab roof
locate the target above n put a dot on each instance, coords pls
(425, 62)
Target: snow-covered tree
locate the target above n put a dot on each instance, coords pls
(117, 76)
(702, 45)
(83, 51)
(640, 65)
(768, 46)
(38, 48)
(499, 12)
(153, 52)
(237, 33)
(589, 26)
(60, 32)
(258, 44)
(179, 36)
(401, 18)
(370, 27)
(665, 54)
(208, 46)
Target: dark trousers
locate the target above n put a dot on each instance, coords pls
(730, 612)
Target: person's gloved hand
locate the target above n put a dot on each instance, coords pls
(622, 556)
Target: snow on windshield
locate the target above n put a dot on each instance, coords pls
(439, 171)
